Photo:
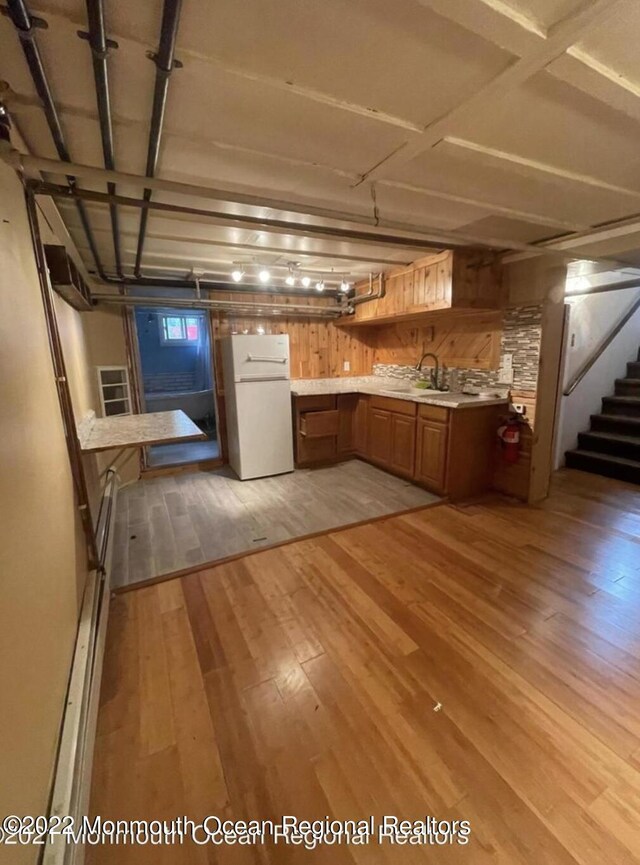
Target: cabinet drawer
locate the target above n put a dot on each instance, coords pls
(320, 424)
(434, 412)
(318, 402)
(399, 406)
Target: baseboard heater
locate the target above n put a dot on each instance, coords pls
(72, 778)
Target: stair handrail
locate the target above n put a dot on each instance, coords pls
(586, 366)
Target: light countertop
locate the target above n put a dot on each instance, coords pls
(136, 430)
(391, 387)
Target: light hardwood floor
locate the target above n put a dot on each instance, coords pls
(169, 523)
(304, 680)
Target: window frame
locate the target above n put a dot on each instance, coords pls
(167, 341)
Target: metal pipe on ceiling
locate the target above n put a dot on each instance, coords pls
(277, 226)
(370, 293)
(25, 27)
(439, 240)
(99, 50)
(164, 61)
(219, 285)
(236, 306)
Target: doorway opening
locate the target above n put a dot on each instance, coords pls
(176, 363)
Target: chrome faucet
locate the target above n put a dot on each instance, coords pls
(435, 372)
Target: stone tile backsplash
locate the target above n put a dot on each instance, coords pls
(520, 339)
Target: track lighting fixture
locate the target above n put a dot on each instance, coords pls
(320, 285)
(264, 275)
(306, 281)
(344, 286)
(291, 276)
(237, 274)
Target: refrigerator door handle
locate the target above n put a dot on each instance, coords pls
(256, 357)
(263, 378)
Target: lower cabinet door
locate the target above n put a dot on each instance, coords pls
(347, 407)
(361, 426)
(431, 454)
(403, 444)
(380, 436)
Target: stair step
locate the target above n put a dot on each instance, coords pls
(625, 405)
(620, 423)
(604, 464)
(633, 369)
(614, 444)
(628, 387)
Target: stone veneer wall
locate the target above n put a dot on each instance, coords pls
(520, 338)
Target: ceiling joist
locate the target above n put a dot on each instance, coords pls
(559, 38)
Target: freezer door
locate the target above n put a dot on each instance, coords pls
(265, 436)
(258, 358)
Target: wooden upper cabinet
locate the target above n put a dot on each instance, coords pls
(453, 279)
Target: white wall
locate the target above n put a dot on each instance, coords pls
(591, 319)
(42, 550)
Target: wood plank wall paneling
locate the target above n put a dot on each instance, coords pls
(464, 341)
(318, 348)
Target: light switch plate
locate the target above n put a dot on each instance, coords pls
(507, 361)
(346, 366)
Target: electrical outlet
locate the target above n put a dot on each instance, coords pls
(505, 376)
(346, 366)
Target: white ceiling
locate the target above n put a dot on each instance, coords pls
(509, 121)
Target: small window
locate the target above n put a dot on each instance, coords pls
(179, 329)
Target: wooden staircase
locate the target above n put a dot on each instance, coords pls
(612, 446)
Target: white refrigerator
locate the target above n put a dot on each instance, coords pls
(258, 404)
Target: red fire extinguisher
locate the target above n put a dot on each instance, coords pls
(509, 434)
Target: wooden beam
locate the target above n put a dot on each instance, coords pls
(533, 167)
(560, 37)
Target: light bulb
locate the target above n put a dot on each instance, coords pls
(260, 330)
(290, 280)
(306, 281)
(237, 274)
(344, 286)
(320, 285)
(264, 275)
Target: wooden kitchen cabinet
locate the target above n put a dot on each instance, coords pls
(380, 436)
(315, 429)
(392, 434)
(460, 279)
(361, 426)
(347, 409)
(324, 428)
(447, 451)
(403, 444)
(431, 454)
